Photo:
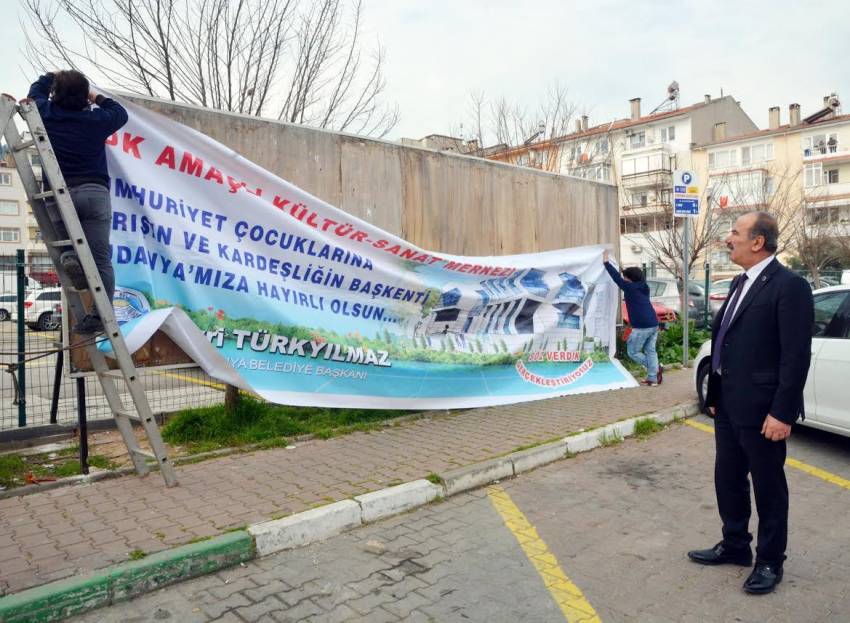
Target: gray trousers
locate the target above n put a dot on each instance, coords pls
(95, 213)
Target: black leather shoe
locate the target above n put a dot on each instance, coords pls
(721, 555)
(763, 579)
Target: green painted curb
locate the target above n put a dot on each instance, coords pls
(60, 600)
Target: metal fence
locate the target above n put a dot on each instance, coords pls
(41, 392)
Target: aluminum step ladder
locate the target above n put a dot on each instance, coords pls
(54, 211)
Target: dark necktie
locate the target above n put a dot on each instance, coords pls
(724, 324)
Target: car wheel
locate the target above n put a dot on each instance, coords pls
(702, 384)
(4, 315)
(46, 322)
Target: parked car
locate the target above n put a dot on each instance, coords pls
(663, 313)
(825, 394)
(717, 295)
(666, 292)
(38, 309)
(9, 282)
(8, 302)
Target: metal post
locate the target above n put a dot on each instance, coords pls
(81, 418)
(57, 380)
(22, 369)
(708, 246)
(686, 297)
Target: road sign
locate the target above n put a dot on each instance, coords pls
(685, 193)
(686, 207)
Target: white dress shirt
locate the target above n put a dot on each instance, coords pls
(752, 274)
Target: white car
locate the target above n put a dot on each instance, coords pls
(39, 309)
(825, 394)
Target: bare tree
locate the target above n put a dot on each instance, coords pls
(729, 195)
(302, 62)
(820, 235)
(512, 131)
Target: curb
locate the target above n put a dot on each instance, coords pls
(59, 600)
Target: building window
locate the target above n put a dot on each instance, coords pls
(830, 176)
(5, 179)
(723, 158)
(814, 173)
(638, 139)
(668, 134)
(768, 187)
(756, 153)
(8, 208)
(602, 146)
(10, 234)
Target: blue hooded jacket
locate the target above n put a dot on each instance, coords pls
(78, 136)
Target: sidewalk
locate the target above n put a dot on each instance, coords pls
(60, 533)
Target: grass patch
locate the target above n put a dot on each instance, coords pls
(646, 427)
(434, 478)
(610, 439)
(258, 422)
(136, 554)
(14, 467)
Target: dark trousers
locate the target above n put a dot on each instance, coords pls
(743, 450)
(95, 213)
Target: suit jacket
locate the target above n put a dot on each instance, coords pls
(766, 350)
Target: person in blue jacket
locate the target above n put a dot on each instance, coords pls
(641, 343)
(77, 132)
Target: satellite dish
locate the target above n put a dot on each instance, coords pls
(673, 90)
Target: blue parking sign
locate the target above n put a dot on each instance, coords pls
(685, 207)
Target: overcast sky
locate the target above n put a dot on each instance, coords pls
(765, 53)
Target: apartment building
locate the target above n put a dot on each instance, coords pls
(18, 227)
(799, 170)
(638, 154)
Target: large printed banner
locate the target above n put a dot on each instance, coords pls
(274, 290)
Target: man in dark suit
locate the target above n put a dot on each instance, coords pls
(760, 353)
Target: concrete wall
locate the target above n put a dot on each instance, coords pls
(441, 202)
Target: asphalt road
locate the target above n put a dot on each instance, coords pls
(601, 536)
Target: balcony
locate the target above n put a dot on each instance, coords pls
(827, 154)
(647, 167)
(827, 194)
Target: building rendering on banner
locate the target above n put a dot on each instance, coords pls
(512, 308)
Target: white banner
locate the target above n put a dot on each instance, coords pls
(279, 292)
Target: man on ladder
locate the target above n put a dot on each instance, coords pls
(78, 133)
(75, 220)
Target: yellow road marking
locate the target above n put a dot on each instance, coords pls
(567, 595)
(817, 472)
(700, 426)
(184, 377)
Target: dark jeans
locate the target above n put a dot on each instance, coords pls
(95, 213)
(743, 450)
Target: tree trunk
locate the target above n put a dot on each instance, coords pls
(231, 398)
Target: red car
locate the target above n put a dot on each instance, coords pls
(662, 312)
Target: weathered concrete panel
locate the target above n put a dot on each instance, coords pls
(442, 202)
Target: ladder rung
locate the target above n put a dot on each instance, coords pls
(113, 374)
(144, 453)
(44, 195)
(61, 243)
(23, 146)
